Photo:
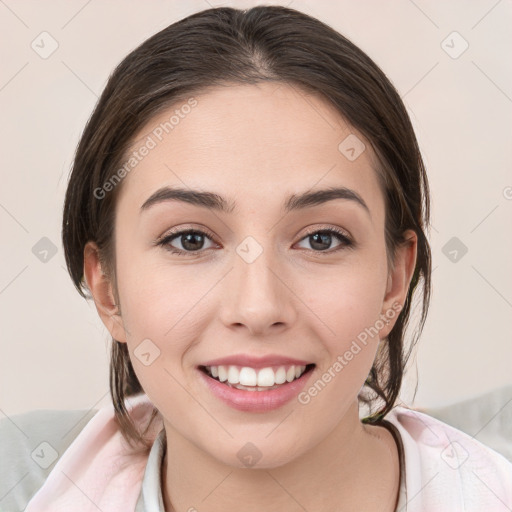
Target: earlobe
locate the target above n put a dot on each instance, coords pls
(100, 287)
(399, 280)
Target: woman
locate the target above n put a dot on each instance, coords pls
(248, 209)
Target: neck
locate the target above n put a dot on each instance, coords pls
(354, 467)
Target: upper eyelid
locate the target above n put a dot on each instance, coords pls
(328, 228)
(174, 234)
(206, 231)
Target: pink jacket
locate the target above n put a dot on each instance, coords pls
(446, 469)
(99, 470)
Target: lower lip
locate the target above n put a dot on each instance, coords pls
(256, 401)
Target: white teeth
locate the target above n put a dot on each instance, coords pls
(233, 375)
(248, 377)
(265, 377)
(281, 375)
(223, 373)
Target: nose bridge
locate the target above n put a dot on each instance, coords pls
(255, 275)
(257, 297)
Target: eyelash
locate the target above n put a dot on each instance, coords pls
(346, 242)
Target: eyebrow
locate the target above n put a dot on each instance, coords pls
(216, 202)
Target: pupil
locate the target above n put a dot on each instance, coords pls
(189, 239)
(325, 239)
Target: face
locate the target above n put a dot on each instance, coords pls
(263, 283)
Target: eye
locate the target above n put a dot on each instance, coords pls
(321, 239)
(190, 240)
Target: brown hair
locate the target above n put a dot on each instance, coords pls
(223, 46)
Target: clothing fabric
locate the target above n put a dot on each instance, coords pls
(30, 444)
(445, 469)
(100, 471)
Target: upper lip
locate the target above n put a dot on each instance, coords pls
(256, 362)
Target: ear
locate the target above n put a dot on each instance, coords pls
(100, 286)
(399, 279)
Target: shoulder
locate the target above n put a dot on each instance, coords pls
(30, 445)
(446, 465)
(487, 418)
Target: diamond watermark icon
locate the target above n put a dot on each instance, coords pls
(146, 352)
(454, 45)
(455, 455)
(249, 454)
(454, 249)
(249, 249)
(44, 45)
(44, 455)
(44, 250)
(351, 147)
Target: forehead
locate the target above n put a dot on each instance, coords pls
(260, 141)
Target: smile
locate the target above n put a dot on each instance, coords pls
(255, 390)
(252, 379)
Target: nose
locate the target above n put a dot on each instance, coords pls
(257, 296)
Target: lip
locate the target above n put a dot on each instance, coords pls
(255, 401)
(256, 362)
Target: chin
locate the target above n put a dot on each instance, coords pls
(251, 455)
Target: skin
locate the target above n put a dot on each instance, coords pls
(256, 144)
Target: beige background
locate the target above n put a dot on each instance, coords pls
(54, 350)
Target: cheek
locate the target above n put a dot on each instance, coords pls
(349, 305)
(350, 311)
(349, 299)
(164, 310)
(154, 293)
(160, 310)
(160, 303)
